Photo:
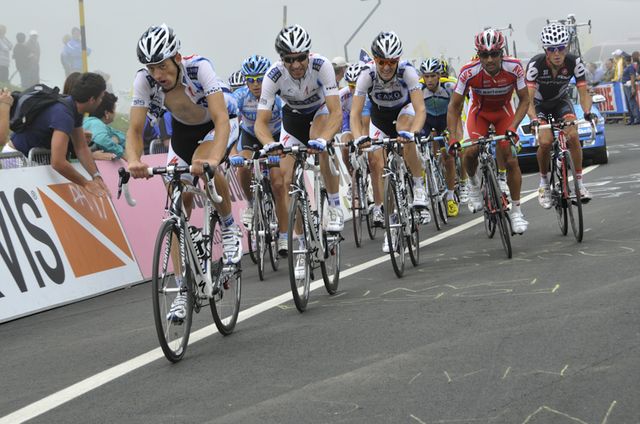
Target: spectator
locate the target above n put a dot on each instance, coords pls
(618, 64)
(158, 129)
(629, 81)
(34, 58)
(54, 126)
(72, 52)
(70, 82)
(6, 100)
(65, 66)
(595, 74)
(21, 56)
(103, 137)
(608, 70)
(5, 55)
(340, 65)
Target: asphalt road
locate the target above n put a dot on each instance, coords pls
(468, 336)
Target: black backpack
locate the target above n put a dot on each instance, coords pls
(28, 104)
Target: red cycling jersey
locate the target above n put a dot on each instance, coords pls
(491, 93)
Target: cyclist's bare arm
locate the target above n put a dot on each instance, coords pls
(421, 111)
(357, 104)
(214, 152)
(523, 106)
(453, 113)
(585, 98)
(531, 110)
(335, 117)
(261, 126)
(134, 146)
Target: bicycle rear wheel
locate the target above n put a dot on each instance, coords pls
(356, 206)
(572, 195)
(371, 229)
(559, 203)
(500, 213)
(412, 225)
(299, 254)
(225, 303)
(272, 230)
(393, 226)
(442, 193)
(330, 267)
(172, 335)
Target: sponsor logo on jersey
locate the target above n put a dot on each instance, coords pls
(317, 64)
(388, 97)
(192, 72)
(313, 99)
(275, 74)
(151, 81)
(138, 102)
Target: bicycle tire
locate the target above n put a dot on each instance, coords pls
(394, 239)
(330, 267)
(442, 194)
(559, 203)
(173, 337)
(272, 222)
(574, 199)
(300, 289)
(356, 206)
(225, 303)
(413, 221)
(371, 229)
(431, 190)
(252, 254)
(259, 234)
(497, 207)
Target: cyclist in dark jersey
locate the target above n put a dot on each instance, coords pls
(548, 77)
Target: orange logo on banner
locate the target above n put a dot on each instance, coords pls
(86, 254)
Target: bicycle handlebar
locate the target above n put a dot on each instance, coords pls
(124, 176)
(563, 124)
(482, 140)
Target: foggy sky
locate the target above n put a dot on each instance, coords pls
(229, 31)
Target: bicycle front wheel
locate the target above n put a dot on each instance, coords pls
(571, 193)
(272, 230)
(497, 208)
(557, 190)
(393, 227)
(299, 258)
(356, 206)
(411, 226)
(225, 303)
(173, 332)
(330, 267)
(258, 232)
(432, 192)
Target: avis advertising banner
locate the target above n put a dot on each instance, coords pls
(58, 243)
(615, 102)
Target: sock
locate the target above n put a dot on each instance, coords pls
(377, 207)
(450, 195)
(579, 177)
(178, 281)
(301, 242)
(283, 236)
(474, 180)
(250, 203)
(227, 220)
(502, 174)
(544, 180)
(515, 207)
(334, 199)
(418, 182)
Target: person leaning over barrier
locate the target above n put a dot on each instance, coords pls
(55, 125)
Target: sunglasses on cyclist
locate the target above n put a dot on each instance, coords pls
(251, 79)
(351, 85)
(386, 62)
(494, 53)
(292, 59)
(556, 49)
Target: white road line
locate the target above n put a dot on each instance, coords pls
(65, 395)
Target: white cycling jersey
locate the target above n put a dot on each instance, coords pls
(305, 95)
(196, 75)
(392, 94)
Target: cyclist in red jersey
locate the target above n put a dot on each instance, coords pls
(492, 80)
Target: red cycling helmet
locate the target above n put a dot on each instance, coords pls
(489, 40)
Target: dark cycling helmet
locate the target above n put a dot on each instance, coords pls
(489, 40)
(431, 66)
(293, 39)
(352, 73)
(387, 45)
(157, 44)
(255, 65)
(236, 79)
(554, 35)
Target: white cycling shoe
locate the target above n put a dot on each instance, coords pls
(518, 223)
(335, 223)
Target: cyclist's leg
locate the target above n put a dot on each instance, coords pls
(410, 151)
(376, 168)
(477, 126)
(565, 109)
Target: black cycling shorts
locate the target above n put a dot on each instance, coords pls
(297, 124)
(435, 123)
(559, 109)
(385, 120)
(185, 138)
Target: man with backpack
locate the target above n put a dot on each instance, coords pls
(40, 117)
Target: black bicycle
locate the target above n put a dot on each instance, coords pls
(184, 250)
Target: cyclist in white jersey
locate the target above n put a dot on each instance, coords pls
(189, 88)
(397, 110)
(254, 69)
(311, 114)
(236, 80)
(436, 99)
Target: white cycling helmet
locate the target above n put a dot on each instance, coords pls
(433, 65)
(236, 79)
(352, 73)
(157, 44)
(293, 39)
(387, 45)
(489, 40)
(554, 35)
